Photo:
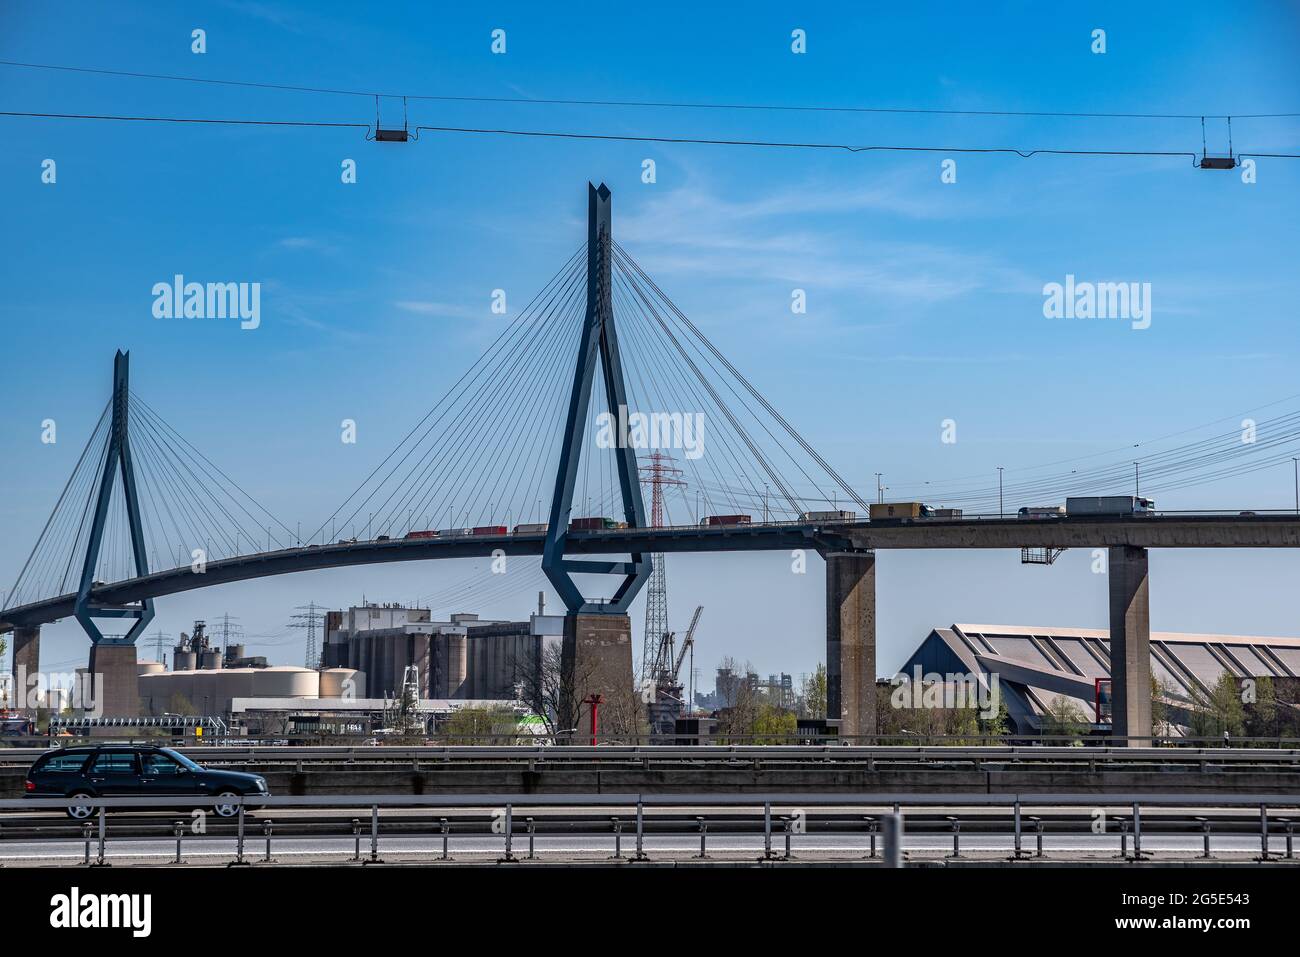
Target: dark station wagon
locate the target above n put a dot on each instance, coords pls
(135, 771)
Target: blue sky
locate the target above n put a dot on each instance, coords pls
(924, 298)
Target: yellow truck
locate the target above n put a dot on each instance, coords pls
(879, 510)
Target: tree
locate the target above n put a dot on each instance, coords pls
(493, 725)
(774, 725)
(181, 705)
(1262, 714)
(1064, 719)
(740, 698)
(1220, 711)
(812, 694)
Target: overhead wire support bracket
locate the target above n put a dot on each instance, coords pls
(391, 134)
(1216, 162)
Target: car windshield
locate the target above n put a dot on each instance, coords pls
(185, 762)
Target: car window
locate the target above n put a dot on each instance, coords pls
(159, 764)
(64, 762)
(114, 762)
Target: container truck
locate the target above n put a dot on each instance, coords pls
(594, 524)
(879, 510)
(727, 520)
(1042, 511)
(531, 528)
(829, 517)
(1109, 505)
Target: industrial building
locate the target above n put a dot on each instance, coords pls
(1035, 665)
(465, 657)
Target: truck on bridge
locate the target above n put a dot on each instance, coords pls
(1109, 505)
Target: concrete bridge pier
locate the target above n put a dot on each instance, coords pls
(596, 659)
(1130, 644)
(851, 642)
(121, 679)
(26, 661)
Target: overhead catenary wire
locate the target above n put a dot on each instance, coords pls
(678, 140)
(655, 104)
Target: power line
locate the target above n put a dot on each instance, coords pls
(182, 119)
(630, 138)
(655, 104)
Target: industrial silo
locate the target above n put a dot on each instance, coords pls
(286, 682)
(341, 683)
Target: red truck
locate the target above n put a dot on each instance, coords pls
(727, 520)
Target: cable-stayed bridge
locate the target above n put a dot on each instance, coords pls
(530, 452)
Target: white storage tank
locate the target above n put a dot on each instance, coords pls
(285, 681)
(150, 667)
(338, 682)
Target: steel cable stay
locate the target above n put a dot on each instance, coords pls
(772, 474)
(500, 403)
(470, 427)
(730, 385)
(655, 355)
(457, 388)
(744, 382)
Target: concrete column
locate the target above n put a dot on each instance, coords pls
(1130, 643)
(120, 680)
(851, 641)
(26, 661)
(596, 658)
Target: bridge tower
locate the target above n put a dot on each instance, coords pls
(113, 656)
(597, 649)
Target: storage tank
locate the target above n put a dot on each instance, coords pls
(150, 667)
(235, 653)
(210, 661)
(184, 660)
(341, 682)
(284, 681)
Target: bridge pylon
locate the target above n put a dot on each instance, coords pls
(117, 464)
(599, 344)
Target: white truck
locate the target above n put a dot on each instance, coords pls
(1109, 505)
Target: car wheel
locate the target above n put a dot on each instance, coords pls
(80, 812)
(227, 810)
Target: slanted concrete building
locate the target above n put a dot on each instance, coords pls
(1037, 664)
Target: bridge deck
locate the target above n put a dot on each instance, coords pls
(1169, 530)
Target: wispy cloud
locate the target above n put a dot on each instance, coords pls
(694, 231)
(445, 310)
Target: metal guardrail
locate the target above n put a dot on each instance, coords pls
(888, 821)
(542, 754)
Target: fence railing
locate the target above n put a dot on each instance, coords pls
(711, 813)
(885, 754)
